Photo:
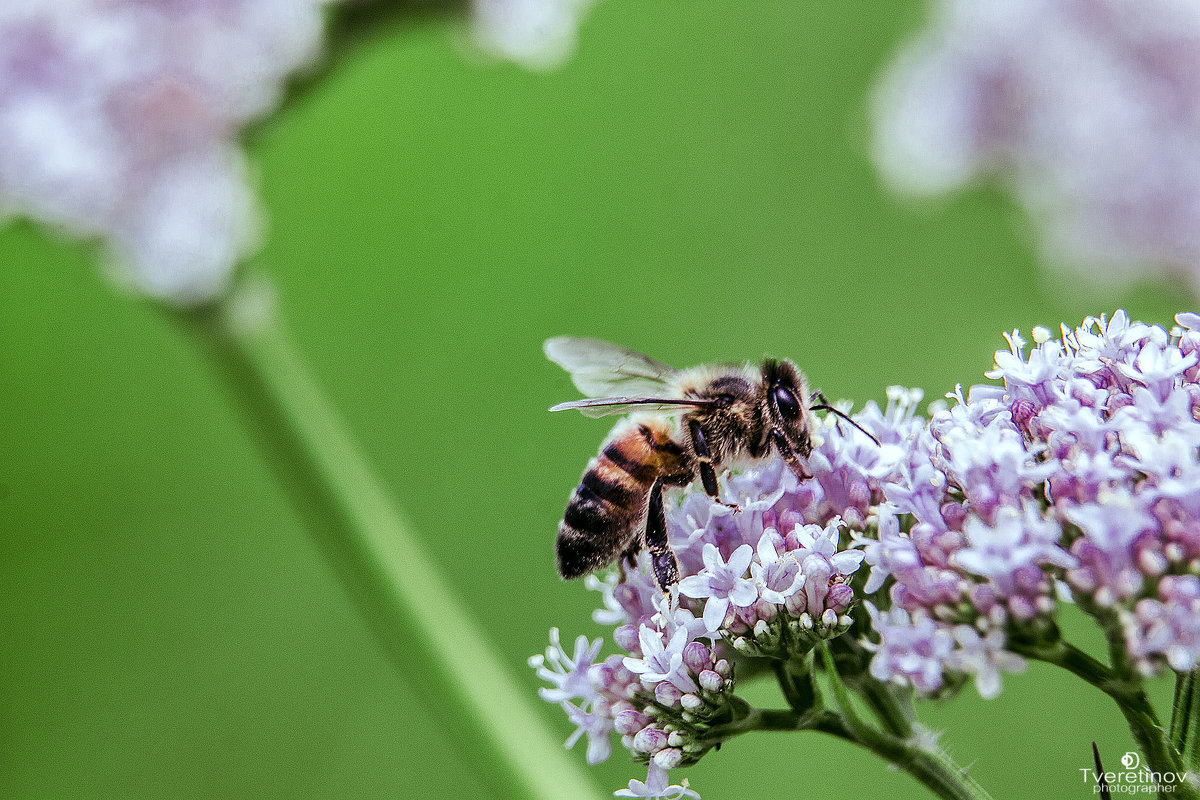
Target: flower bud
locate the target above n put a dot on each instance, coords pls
(954, 514)
(710, 681)
(667, 694)
(723, 668)
(795, 603)
(691, 702)
(629, 722)
(839, 598)
(669, 758)
(765, 610)
(622, 705)
(788, 520)
(1152, 562)
(697, 657)
(649, 740)
(854, 518)
(626, 638)
(858, 494)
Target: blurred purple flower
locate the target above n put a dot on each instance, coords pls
(540, 34)
(1088, 110)
(120, 121)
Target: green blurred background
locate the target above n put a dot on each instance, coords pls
(694, 184)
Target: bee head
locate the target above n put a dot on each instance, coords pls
(787, 403)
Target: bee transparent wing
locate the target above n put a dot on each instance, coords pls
(608, 406)
(603, 369)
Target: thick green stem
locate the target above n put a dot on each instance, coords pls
(931, 767)
(1127, 691)
(796, 683)
(430, 636)
(892, 704)
(1182, 709)
(1185, 719)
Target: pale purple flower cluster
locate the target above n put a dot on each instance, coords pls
(119, 121)
(1088, 110)
(660, 698)
(1081, 472)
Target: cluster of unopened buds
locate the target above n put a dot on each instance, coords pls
(936, 552)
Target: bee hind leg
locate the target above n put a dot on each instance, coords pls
(708, 473)
(662, 558)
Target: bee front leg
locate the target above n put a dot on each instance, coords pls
(662, 558)
(789, 455)
(708, 473)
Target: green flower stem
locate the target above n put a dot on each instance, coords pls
(757, 719)
(1185, 719)
(892, 704)
(796, 682)
(1127, 691)
(430, 636)
(1181, 708)
(933, 768)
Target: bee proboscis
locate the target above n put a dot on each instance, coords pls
(725, 413)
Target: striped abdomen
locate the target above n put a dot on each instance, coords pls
(607, 511)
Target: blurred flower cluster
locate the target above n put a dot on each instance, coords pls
(941, 551)
(120, 118)
(539, 34)
(1087, 109)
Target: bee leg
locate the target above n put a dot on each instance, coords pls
(666, 568)
(789, 455)
(708, 473)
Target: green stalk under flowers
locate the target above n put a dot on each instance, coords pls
(930, 766)
(426, 632)
(1185, 719)
(1153, 739)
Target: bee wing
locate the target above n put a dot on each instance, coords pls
(603, 369)
(607, 406)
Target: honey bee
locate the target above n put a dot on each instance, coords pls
(688, 423)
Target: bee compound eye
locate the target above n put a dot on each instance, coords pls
(786, 402)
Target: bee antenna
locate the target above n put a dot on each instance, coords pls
(843, 415)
